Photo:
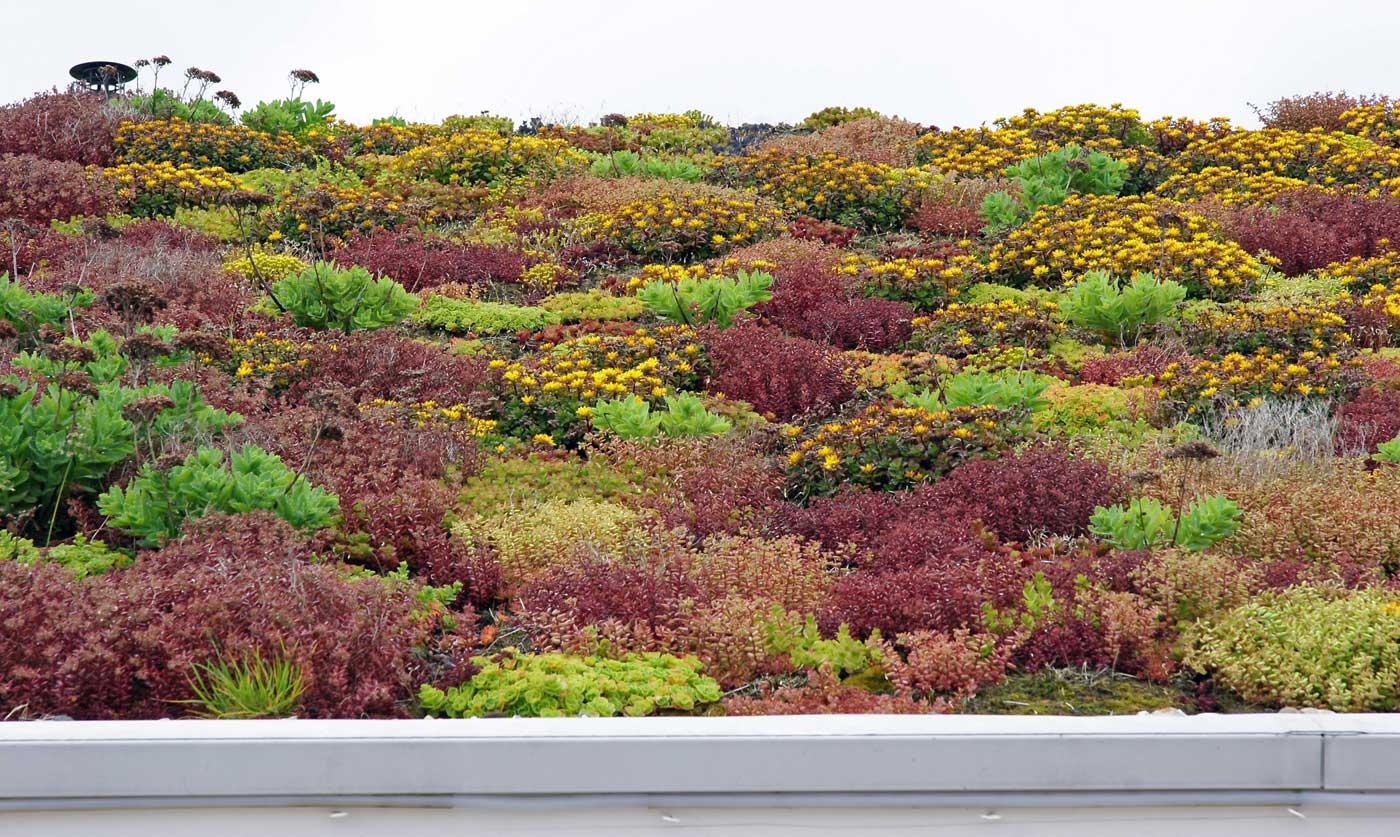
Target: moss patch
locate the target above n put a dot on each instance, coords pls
(1074, 692)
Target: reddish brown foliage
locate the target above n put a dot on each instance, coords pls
(777, 374)
(123, 645)
(814, 301)
(382, 364)
(1144, 359)
(1308, 229)
(73, 126)
(418, 262)
(39, 190)
(1038, 491)
(1313, 110)
(1370, 418)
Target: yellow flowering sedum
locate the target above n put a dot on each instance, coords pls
(1229, 186)
(272, 266)
(480, 157)
(1123, 235)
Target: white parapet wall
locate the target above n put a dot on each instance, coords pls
(1237, 775)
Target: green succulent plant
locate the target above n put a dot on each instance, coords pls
(469, 316)
(633, 418)
(1121, 312)
(324, 296)
(716, 299)
(563, 685)
(154, 505)
(1145, 523)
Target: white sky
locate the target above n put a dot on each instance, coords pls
(942, 63)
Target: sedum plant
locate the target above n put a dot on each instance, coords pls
(64, 439)
(716, 299)
(293, 116)
(324, 296)
(579, 306)
(155, 504)
(1388, 451)
(1146, 523)
(802, 642)
(1005, 390)
(27, 312)
(1306, 647)
(633, 418)
(1121, 312)
(469, 316)
(81, 557)
(564, 685)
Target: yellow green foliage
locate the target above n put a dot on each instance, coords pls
(595, 304)
(1306, 646)
(272, 266)
(531, 540)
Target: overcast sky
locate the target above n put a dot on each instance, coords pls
(941, 63)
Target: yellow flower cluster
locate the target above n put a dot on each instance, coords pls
(832, 187)
(1122, 236)
(657, 121)
(1382, 301)
(979, 152)
(1172, 134)
(1245, 380)
(647, 363)
(479, 157)
(1382, 269)
(575, 374)
(1379, 122)
(552, 392)
(1317, 156)
(383, 138)
(431, 413)
(272, 266)
(675, 273)
(1228, 186)
(1078, 123)
(891, 446)
(958, 330)
(156, 189)
(231, 147)
(547, 276)
(926, 281)
(275, 358)
(1316, 327)
(682, 226)
(332, 212)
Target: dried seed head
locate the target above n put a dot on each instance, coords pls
(70, 353)
(202, 343)
(79, 382)
(1143, 477)
(135, 301)
(145, 347)
(333, 401)
(145, 409)
(1194, 451)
